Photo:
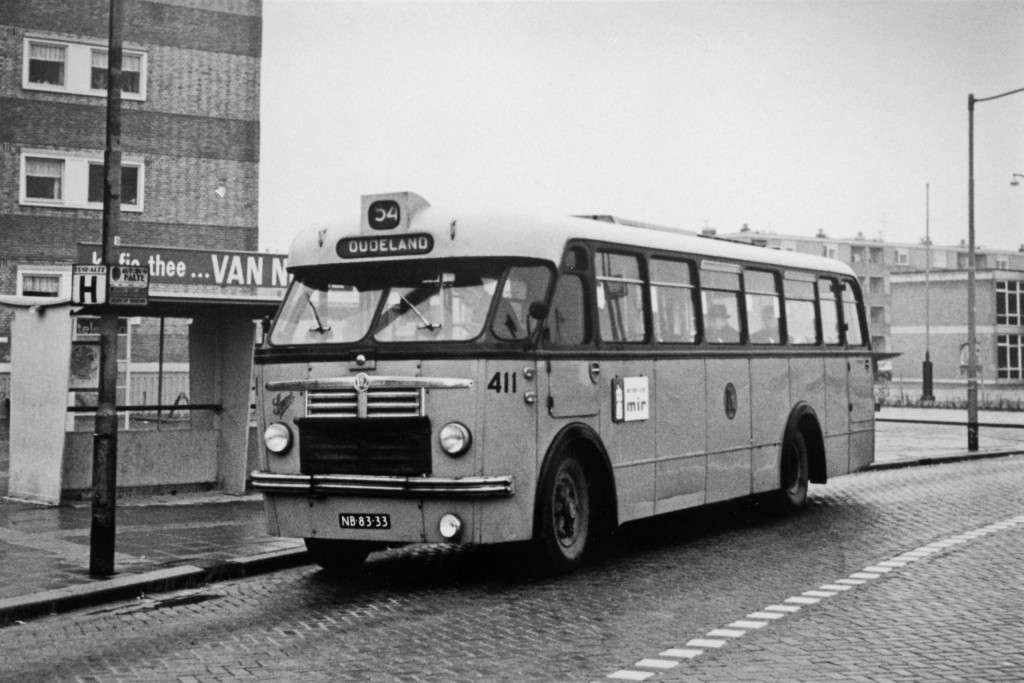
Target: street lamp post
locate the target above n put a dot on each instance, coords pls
(926, 367)
(972, 331)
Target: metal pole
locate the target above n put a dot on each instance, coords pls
(972, 355)
(926, 369)
(104, 462)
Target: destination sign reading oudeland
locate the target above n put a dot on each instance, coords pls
(376, 247)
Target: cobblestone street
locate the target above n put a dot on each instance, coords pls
(668, 586)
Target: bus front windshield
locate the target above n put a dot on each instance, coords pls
(411, 302)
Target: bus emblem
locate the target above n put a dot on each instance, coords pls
(361, 382)
(731, 401)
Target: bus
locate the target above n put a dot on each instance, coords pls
(475, 377)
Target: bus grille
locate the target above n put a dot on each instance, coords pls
(379, 403)
(388, 446)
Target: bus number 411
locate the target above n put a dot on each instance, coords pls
(503, 383)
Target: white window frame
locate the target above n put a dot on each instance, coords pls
(902, 257)
(62, 272)
(78, 68)
(831, 251)
(75, 182)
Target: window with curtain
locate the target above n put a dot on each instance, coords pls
(46, 64)
(44, 178)
(40, 285)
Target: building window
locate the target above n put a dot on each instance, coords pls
(44, 179)
(52, 281)
(131, 72)
(80, 69)
(74, 180)
(1002, 262)
(938, 259)
(1009, 300)
(902, 257)
(1009, 348)
(40, 285)
(129, 184)
(831, 251)
(46, 64)
(787, 245)
(877, 285)
(878, 315)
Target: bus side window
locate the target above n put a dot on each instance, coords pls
(801, 322)
(763, 313)
(566, 322)
(720, 291)
(851, 315)
(829, 310)
(673, 301)
(620, 298)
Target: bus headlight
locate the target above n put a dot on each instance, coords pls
(277, 438)
(455, 439)
(450, 527)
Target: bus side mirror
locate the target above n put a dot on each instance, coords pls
(538, 310)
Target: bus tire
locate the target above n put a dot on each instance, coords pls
(792, 494)
(338, 557)
(566, 515)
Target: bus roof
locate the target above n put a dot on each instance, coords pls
(407, 227)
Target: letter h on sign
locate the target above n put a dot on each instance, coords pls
(88, 285)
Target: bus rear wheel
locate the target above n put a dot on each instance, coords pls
(792, 496)
(338, 557)
(565, 515)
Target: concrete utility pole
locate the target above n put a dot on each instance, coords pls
(104, 459)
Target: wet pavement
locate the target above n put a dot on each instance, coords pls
(174, 541)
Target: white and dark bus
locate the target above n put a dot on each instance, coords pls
(441, 376)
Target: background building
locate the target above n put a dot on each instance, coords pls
(190, 138)
(893, 278)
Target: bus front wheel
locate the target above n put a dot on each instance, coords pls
(792, 495)
(339, 557)
(565, 515)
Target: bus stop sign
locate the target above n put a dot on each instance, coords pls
(88, 284)
(128, 286)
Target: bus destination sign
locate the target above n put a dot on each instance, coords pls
(379, 247)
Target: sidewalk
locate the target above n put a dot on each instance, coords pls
(170, 542)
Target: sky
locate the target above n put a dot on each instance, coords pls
(788, 117)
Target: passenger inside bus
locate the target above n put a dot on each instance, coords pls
(718, 326)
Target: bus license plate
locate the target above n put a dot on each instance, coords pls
(364, 521)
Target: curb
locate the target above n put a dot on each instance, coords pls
(938, 460)
(131, 586)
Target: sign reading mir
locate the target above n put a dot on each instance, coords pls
(630, 399)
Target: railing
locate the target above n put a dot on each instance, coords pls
(950, 423)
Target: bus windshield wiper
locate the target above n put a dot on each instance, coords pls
(316, 315)
(426, 323)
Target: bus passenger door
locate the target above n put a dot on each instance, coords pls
(728, 420)
(572, 380)
(862, 413)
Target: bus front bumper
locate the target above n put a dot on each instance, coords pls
(372, 485)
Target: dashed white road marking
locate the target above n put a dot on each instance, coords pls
(719, 637)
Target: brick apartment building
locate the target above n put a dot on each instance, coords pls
(190, 134)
